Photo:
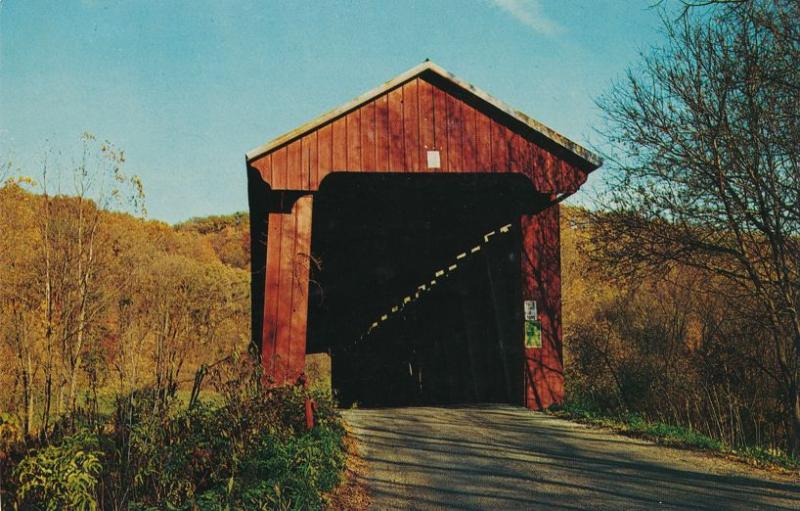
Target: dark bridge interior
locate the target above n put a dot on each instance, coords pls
(377, 238)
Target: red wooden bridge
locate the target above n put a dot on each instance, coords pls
(413, 233)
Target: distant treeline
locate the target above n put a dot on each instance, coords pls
(96, 303)
(125, 360)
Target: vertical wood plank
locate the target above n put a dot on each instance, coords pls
(325, 152)
(411, 126)
(285, 289)
(305, 159)
(313, 160)
(396, 148)
(499, 147)
(440, 126)
(484, 142)
(548, 170)
(279, 173)
(426, 127)
(537, 166)
(268, 163)
(557, 173)
(382, 133)
(339, 142)
(507, 136)
(469, 140)
(454, 135)
(354, 141)
(522, 153)
(563, 177)
(368, 152)
(294, 165)
(517, 159)
(541, 281)
(272, 276)
(299, 313)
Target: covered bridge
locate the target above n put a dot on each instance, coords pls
(413, 233)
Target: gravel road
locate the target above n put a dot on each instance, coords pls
(500, 457)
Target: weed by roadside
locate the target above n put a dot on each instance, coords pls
(248, 449)
(635, 425)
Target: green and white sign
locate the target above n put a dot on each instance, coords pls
(533, 334)
(533, 327)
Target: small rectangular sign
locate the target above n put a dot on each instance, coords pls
(533, 334)
(434, 161)
(531, 313)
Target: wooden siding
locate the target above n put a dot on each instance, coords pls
(541, 281)
(286, 290)
(394, 131)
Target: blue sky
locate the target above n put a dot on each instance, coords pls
(186, 88)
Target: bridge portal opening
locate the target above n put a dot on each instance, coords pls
(415, 287)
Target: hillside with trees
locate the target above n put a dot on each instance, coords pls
(97, 303)
(126, 368)
(228, 235)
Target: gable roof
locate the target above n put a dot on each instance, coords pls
(591, 159)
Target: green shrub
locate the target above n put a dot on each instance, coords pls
(61, 477)
(252, 451)
(177, 457)
(248, 449)
(293, 474)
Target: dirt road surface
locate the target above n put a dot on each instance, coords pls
(499, 457)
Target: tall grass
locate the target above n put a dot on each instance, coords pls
(635, 424)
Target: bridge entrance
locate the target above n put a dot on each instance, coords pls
(415, 287)
(413, 233)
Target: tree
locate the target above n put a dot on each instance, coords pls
(706, 148)
(18, 302)
(95, 301)
(72, 264)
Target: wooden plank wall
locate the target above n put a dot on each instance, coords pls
(283, 348)
(393, 132)
(540, 253)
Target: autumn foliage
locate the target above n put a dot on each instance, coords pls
(669, 348)
(125, 360)
(158, 304)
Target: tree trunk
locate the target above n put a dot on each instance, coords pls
(26, 397)
(76, 354)
(29, 397)
(48, 299)
(794, 444)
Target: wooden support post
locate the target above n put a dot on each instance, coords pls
(541, 281)
(286, 289)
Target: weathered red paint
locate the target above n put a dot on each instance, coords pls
(286, 289)
(401, 125)
(392, 132)
(541, 281)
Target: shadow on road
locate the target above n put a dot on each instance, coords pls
(504, 457)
